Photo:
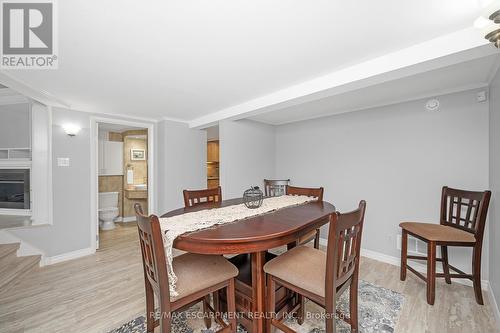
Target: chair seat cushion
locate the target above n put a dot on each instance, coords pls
(438, 232)
(303, 267)
(196, 272)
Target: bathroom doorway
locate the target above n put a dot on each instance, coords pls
(123, 160)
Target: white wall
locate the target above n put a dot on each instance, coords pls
(494, 213)
(247, 155)
(70, 230)
(213, 133)
(182, 157)
(180, 164)
(15, 129)
(397, 158)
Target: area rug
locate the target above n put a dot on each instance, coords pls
(379, 310)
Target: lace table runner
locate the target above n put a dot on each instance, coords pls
(174, 226)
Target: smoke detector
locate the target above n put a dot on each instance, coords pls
(432, 105)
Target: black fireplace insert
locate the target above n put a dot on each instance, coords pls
(15, 188)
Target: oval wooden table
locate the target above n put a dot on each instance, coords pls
(254, 235)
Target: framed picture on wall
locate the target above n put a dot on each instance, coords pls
(137, 154)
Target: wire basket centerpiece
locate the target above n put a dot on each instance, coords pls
(252, 198)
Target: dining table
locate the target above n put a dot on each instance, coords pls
(253, 237)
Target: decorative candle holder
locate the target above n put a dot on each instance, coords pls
(252, 198)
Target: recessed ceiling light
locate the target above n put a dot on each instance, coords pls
(432, 105)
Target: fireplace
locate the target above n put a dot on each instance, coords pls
(15, 189)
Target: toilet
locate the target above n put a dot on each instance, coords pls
(108, 210)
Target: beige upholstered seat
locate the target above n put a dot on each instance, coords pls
(302, 266)
(196, 272)
(438, 232)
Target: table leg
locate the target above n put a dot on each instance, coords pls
(259, 290)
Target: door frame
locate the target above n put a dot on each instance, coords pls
(94, 178)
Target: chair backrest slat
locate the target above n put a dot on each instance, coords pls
(465, 210)
(344, 245)
(153, 254)
(275, 187)
(310, 192)
(198, 197)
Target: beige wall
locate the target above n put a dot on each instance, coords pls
(140, 169)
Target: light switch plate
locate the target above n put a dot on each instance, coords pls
(63, 161)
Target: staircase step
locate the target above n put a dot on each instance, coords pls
(8, 249)
(15, 269)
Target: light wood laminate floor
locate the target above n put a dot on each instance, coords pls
(102, 291)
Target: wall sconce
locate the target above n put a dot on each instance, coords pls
(71, 129)
(489, 22)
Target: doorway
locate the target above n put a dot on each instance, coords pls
(122, 160)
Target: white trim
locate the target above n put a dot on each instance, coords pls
(25, 89)
(67, 256)
(94, 179)
(442, 92)
(41, 161)
(15, 212)
(120, 116)
(454, 48)
(15, 164)
(176, 120)
(494, 304)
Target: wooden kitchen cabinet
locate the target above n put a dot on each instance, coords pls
(213, 151)
(212, 183)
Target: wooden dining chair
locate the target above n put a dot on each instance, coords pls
(462, 221)
(198, 276)
(275, 187)
(198, 197)
(319, 276)
(310, 192)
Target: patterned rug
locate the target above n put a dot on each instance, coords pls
(379, 310)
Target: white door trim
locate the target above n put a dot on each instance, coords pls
(94, 179)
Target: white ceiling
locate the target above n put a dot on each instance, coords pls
(188, 59)
(463, 76)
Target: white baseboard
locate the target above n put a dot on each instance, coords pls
(396, 261)
(67, 256)
(494, 304)
(127, 219)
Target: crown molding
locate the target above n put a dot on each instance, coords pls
(9, 96)
(178, 120)
(25, 89)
